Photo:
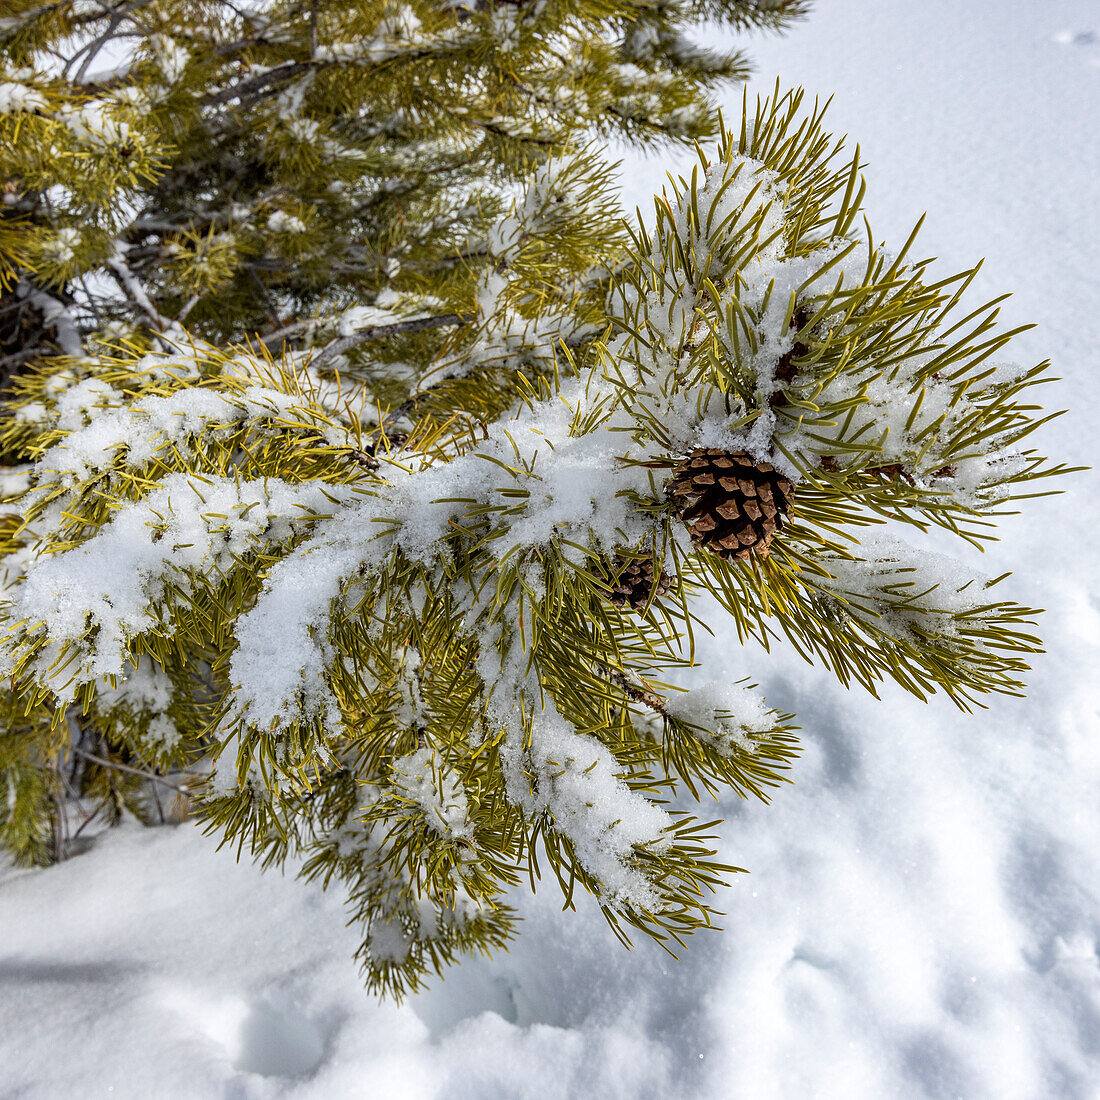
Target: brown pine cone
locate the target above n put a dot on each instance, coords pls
(732, 504)
(635, 582)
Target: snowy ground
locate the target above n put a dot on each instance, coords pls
(922, 917)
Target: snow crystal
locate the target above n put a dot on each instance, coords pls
(388, 941)
(130, 95)
(360, 317)
(282, 644)
(34, 412)
(144, 690)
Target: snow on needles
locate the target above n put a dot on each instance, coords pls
(576, 781)
(137, 432)
(16, 96)
(86, 604)
(422, 779)
(724, 715)
(903, 591)
(577, 492)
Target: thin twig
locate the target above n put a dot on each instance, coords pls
(92, 49)
(635, 693)
(136, 293)
(89, 818)
(190, 305)
(156, 799)
(286, 331)
(398, 328)
(59, 828)
(133, 771)
(284, 71)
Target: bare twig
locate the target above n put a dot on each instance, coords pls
(293, 329)
(136, 293)
(89, 818)
(190, 305)
(275, 75)
(636, 693)
(269, 305)
(59, 828)
(398, 328)
(92, 49)
(132, 771)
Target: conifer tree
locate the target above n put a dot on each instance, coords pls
(366, 467)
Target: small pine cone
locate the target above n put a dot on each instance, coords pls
(732, 504)
(636, 582)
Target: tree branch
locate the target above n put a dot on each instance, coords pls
(398, 328)
(136, 293)
(635, 693)
(152, 776)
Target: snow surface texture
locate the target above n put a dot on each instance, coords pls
(922, 916)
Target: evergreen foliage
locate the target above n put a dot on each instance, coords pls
(343, 417)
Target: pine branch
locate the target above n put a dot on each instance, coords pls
(416, 658)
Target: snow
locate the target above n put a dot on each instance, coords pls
(92, 124)
(91, 600)
(134, 433)
(575, 489)
(575, 781)
(62, 248)
(422, 779)
(723, 714)
(922, 914)
(282, 222)
(15, 96)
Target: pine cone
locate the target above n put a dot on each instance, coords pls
(636, 582)
(732, 504)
